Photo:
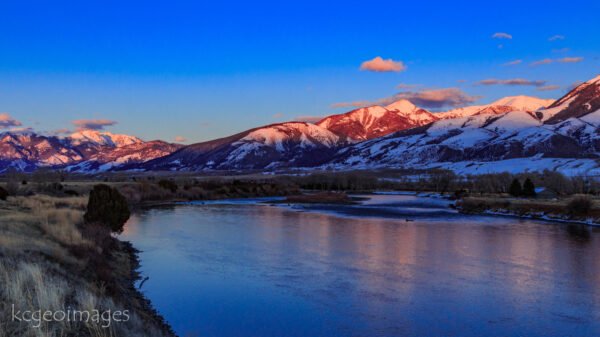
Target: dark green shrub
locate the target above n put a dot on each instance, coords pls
(3, 193)
(107, 207)
(72, 193)
(515, 188)
(168, 185)
(580, 206)
(459, 194)
(528, 188)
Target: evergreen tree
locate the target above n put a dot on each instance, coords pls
(515, 188)
(3, 193)
(528, 188)
(107, 207)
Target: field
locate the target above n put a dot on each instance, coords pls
(51, 261)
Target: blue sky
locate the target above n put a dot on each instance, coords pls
(206, 70)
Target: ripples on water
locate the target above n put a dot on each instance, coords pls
(247, 269)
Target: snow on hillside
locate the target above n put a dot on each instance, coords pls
(305, 133)
(102, 138)
(522, 103)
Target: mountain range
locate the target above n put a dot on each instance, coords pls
(518, 132)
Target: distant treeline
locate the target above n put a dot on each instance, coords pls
(195, 186)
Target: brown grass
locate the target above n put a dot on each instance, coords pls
(561, 208)
(49, 260)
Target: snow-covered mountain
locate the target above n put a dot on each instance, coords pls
(82, 151)
(501, 106)
(96, 138)
(377, 121)
(581, 101)
(26, 150)
(564, 136)
(291, 144)
(516, 133)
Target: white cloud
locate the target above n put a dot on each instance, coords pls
(6, 121)
(511, 63)
(515, 81)
(91, 124)
(308, 119)
(380, 65)
(501, 36)
(433, 99)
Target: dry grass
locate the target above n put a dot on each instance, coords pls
(559, 208)
(48, 261)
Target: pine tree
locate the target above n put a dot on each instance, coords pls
(528, 188)
(515, 188)
(107, 207)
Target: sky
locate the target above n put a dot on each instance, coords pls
(195, 71)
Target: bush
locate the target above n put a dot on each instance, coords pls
(3, 193)
(168, 185)
(108, 207)
(72, 193)
(459, 194)
(528, 188)
(515, 188)
(580, 206)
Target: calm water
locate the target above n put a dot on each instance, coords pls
(247, 269)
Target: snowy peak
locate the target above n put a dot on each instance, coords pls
(94, 137)
(581, 101)
(524, 103)
(376, 121)
(290, 144)
(306, 134)
(402, 105)
(82, 151)
(501, 106)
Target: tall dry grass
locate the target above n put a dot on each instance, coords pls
(40, 269)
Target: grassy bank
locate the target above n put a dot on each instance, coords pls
(50, 260)
(578, 208)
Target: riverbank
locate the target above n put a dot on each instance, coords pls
(576, 209)
(50, 261)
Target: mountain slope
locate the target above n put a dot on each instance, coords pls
(483, 137)
(82, 151)
(501, 106)
(376, 121)
(291, 144)
(124, 157)
(578, 102)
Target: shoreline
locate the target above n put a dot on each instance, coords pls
(356, 198)
(544, 218)
(135, 293)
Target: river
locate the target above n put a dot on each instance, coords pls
(396, 265)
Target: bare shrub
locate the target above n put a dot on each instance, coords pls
(580, 206)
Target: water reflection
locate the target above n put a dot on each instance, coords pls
(260, 270)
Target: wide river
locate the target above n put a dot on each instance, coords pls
(396, 265)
